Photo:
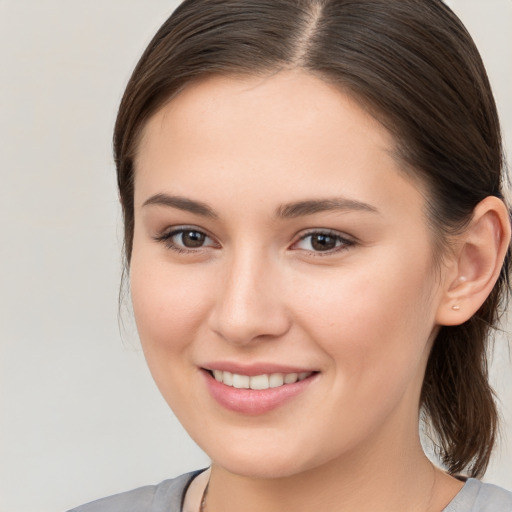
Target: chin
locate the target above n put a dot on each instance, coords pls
(268, 462)
(260, 469)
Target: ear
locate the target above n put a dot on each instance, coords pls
(476, 263)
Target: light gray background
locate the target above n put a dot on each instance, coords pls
(80, 417)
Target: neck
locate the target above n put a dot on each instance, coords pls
(377, 481)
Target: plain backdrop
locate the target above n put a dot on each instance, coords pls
(80, 417)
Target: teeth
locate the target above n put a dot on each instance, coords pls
(227, 378)
(265, 381)
(241, 381)
(275, 380)
(259, 382)
(290, 378)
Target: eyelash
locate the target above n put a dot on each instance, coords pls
(344, 242)
(166, 239)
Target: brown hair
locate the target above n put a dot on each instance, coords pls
(413, 65)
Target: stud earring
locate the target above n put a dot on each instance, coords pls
(456, 307)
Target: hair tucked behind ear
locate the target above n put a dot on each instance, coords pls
(457, 397)
(413, 65)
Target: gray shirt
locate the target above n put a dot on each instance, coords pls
(168, 496)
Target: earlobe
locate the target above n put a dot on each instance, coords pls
(477, 264)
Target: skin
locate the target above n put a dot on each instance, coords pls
(362, 315)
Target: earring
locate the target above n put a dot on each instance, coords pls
(456, 307)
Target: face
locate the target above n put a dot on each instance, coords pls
(279, 246)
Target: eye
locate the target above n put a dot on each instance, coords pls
(185, 239)
(323, 242)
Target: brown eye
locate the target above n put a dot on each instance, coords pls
(321, 242)
(186, 239)
(192, 239)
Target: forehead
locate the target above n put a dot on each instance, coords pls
(290, 102)
(290, 130)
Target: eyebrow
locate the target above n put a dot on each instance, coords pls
(286, 211)
(310, 207)
(182, 203)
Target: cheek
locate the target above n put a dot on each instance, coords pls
(374, 324)
(169, 304)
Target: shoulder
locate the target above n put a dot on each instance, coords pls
(165, 497)
(477, 496)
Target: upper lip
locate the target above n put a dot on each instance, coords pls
(254, 369)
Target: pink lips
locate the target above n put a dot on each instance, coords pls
(252, 401)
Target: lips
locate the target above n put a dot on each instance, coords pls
(256, 389)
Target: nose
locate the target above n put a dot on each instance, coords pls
(250, 301)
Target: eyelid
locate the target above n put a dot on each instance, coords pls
(347, 241)
(167, 235)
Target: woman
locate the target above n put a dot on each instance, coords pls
(318, 248)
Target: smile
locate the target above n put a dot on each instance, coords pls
(259, 392)
(258, 382)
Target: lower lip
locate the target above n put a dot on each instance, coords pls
(254, 401)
